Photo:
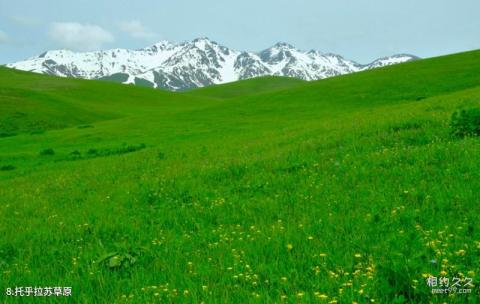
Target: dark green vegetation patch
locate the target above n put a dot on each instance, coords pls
(92, 153)
(466, 122)
(47, 152)
(7, 168)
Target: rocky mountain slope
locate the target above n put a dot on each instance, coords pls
(198, 63)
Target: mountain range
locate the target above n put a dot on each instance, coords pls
(196, 63)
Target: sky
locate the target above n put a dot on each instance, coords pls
(360, 30)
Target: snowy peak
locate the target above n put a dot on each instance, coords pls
(283, 45)
(203, 42)
(197, 63)
(159, 46)
(279, 52)
(395, 59)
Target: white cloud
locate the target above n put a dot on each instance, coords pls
(79, 37)
(137, 30)
(3, 37)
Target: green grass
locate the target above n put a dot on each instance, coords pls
(263, 191)
(247, 87)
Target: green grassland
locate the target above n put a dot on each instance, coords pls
(350, 189)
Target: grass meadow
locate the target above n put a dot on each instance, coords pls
(346, 190)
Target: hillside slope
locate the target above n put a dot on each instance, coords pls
(32, 102)
(350, 189)
(247, 87)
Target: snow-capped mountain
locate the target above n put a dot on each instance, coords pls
(198, 63)
(395, 59)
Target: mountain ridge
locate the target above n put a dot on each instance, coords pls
(197, 63)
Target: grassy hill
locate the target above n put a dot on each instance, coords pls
(350, 189)
(248, 87)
